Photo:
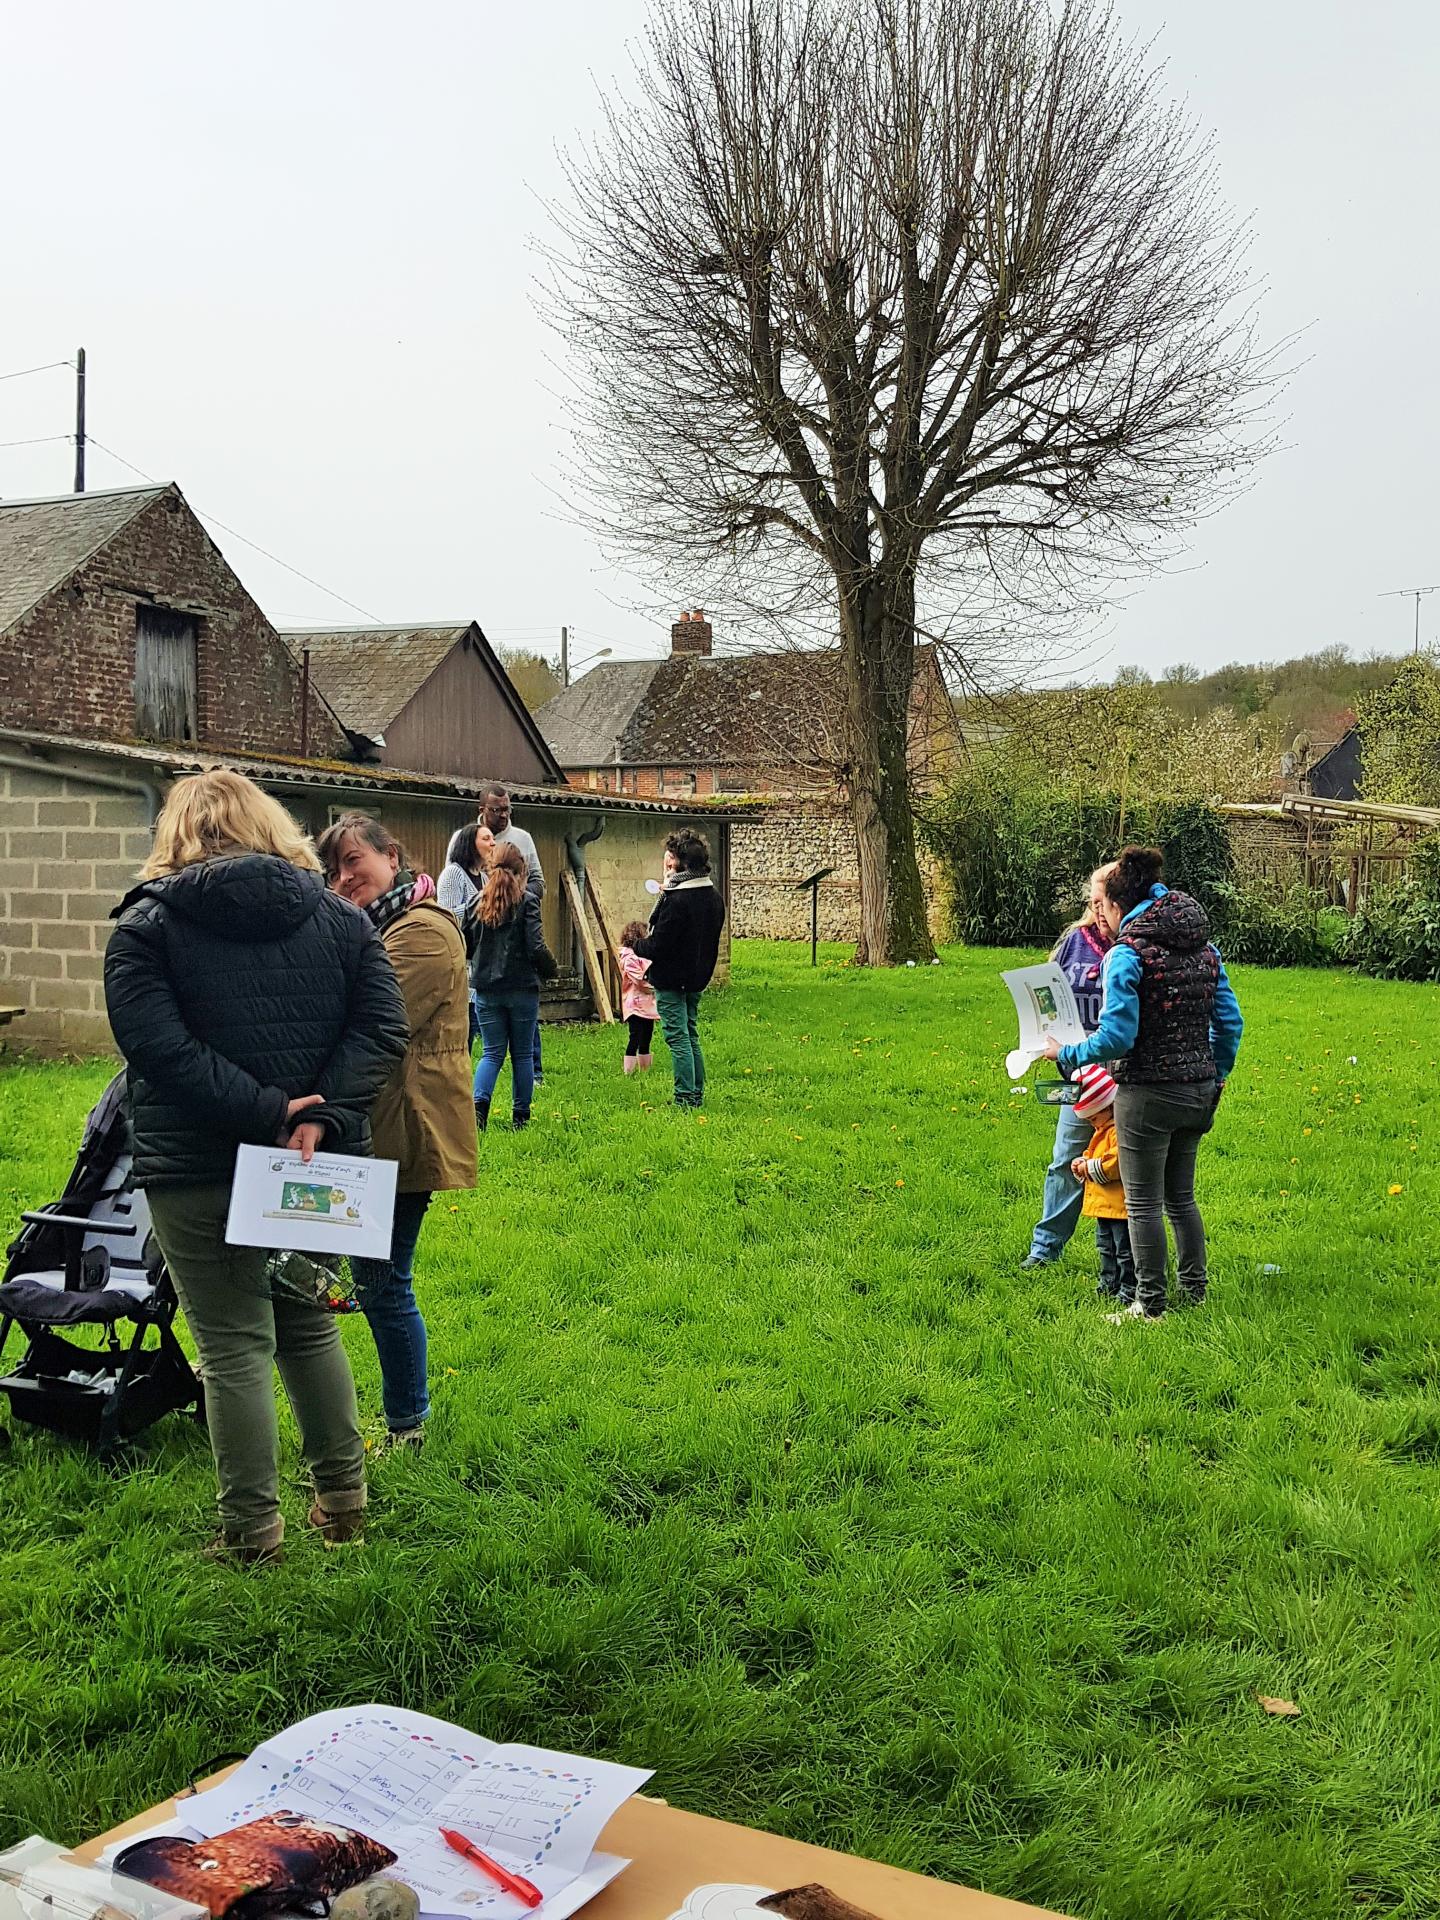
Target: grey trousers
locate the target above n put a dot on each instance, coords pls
(242, 1336)
(1159, 1130)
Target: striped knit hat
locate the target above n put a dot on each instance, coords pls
(1097, 1091)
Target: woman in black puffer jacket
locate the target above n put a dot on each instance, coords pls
(252, 1006)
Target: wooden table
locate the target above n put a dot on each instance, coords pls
(671, 1853)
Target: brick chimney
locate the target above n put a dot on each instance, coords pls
(691, 633)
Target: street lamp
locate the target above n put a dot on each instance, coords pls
(565, 661)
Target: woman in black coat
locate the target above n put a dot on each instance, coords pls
(252, 1007)
(682, 946)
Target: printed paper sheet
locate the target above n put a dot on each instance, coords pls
(400, 1776)
(1045, 1004)
(329, 1204)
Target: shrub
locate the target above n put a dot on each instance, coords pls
(1286, 932)
(1017, 854)
(1397, 936)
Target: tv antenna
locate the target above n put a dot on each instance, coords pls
(1409, 593)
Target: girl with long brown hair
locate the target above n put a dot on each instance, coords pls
(508, 962)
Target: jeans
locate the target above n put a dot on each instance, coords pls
(679, 1015)
(1159, 1130)
(386, 1294)
(474, 1018)
(242, 1336)
(508, 1021)
(539, 1064)
(1064, 1194)
(1117, 1264)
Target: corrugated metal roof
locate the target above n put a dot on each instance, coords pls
(42, 542)
(369, 675)
(341, 775)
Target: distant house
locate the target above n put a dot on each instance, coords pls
(697, 723)
(1338, 772)
(431, 699)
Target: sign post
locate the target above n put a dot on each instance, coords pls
(813, 883)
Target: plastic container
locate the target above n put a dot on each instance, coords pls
(40, 1881)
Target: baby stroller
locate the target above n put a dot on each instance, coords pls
(90, 1260)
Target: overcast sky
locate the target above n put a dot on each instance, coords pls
(293, 239)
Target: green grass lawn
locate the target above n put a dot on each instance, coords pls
(757, 1460)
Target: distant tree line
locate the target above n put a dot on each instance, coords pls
(1314, 693)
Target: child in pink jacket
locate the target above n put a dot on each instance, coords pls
(637, 1002)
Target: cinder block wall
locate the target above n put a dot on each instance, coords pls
(783, 844)
(68, 851)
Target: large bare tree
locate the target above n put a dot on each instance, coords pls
(887, 306)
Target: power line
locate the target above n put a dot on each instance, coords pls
(21, 373)
(309, 579)
(45, 440)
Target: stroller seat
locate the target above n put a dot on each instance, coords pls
(90, 1259)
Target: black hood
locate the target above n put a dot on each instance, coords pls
(1176, 922)
(250, 898)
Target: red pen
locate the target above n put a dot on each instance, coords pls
(511, 1882)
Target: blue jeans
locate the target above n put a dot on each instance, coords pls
(1064, 1194)
(387, 1299)
(1117, 1263)
(474, 1018)
(679, 1019)
(507, 1024)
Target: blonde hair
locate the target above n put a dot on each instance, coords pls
(209, 815)
(1087, 914)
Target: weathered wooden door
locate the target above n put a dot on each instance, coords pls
(167, 699)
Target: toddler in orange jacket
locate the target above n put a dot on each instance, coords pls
(1104, 1203)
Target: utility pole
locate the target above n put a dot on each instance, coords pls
(1406, 593)
(80, 420)
(564, 656)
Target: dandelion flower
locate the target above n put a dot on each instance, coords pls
(899, 1183)
(1397, 1188)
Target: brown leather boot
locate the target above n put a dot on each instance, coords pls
(339, 1529)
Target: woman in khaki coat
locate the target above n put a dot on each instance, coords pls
(423, 1118)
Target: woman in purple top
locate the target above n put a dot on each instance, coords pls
(1081, 953)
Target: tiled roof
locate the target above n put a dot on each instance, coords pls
(742, 710)
(369, 675)
(583, 723)
(749, 709)
(42, 542)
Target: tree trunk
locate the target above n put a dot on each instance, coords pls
(877, 619)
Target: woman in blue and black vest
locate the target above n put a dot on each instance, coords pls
(1171, 1026)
